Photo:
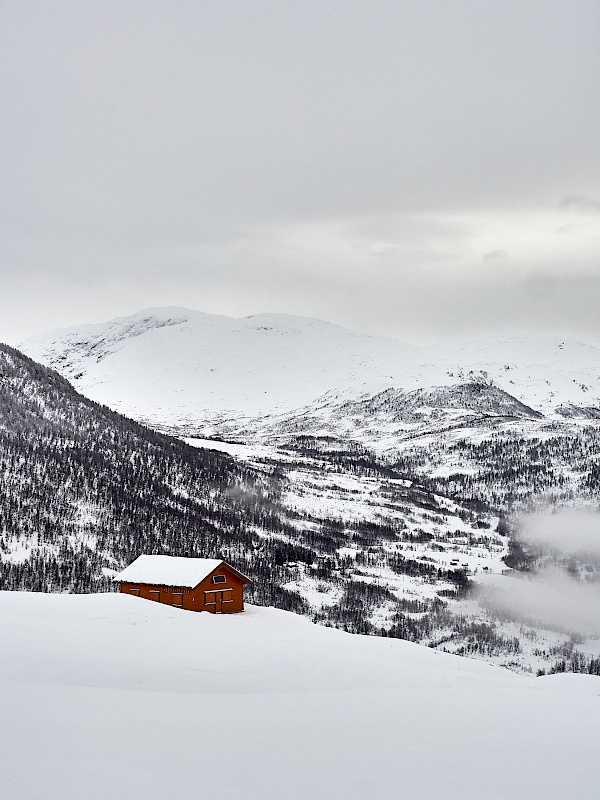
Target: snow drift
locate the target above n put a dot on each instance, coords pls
(109, 695)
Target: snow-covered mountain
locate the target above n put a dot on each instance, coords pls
(169, 364)
(113, 695)
(393, 474)
(188, 370)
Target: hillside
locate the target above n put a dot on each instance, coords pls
(112, 694)
(84, 490)
(213, 375)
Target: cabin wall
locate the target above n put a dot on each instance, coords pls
(225, 597)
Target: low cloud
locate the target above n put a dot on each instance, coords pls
(567, 532)
(550, 599)
(554, 597)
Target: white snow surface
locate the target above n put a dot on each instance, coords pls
(169, 570)
(110, 695)
(175, 366)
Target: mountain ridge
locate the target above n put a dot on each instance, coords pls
(175, 366)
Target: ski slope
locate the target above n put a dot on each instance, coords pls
(113, 696)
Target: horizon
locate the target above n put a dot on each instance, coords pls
(429, 344)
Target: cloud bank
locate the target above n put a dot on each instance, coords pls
(569, 532)
(554, 597)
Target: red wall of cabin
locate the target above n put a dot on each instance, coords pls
(201, 598)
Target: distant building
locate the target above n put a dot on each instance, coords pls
(196, 584)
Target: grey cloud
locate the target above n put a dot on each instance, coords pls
(150, 151)
(408, 229)
(579, 203)
(494, 255)
(540, 285)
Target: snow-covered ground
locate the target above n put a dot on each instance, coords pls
(316, 492)
(202, 372)
(114, 696)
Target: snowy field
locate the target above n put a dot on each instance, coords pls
(112, 696)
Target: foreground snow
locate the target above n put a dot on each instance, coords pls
(109, 695)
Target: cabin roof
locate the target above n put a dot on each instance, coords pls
(172, 571)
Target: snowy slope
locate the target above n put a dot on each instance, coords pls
(175, 362)
(109, 695)
(182, 368)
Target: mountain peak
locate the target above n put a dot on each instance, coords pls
(172, 365)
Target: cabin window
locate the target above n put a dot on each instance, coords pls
(219, 578)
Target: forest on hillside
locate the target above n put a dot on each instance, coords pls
(84, 491)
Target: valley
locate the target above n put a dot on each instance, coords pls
(374, 486)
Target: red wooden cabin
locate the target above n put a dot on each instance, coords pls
(196, 584)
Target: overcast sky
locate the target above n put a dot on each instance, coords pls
(426, 169)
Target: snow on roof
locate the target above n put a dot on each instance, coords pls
(169, 570)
